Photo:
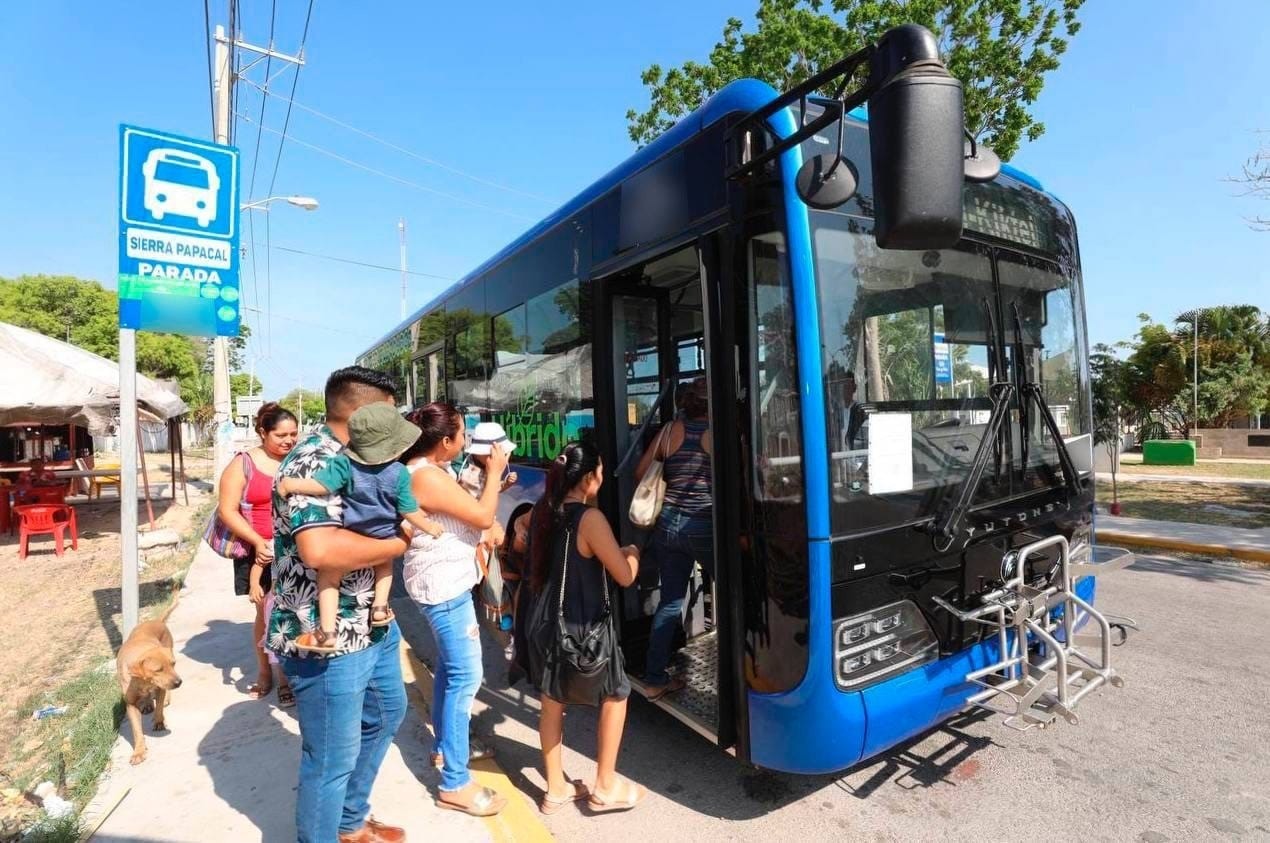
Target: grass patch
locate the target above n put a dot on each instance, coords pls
(1192, 503)
(62, 830)
(74, 749)
(1202, 468)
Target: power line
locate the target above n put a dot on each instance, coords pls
(311, 324)
(234, 25)
(211, 74)
(264, 98)
(269, 279)
(277, 161)
(384, 267)
(295, 80)
(357, 164)
(403, 150)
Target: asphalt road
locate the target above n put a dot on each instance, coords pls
(1182, 752)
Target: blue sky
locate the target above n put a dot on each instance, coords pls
(1156, 102)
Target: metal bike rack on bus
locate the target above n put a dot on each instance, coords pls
(1030, 685)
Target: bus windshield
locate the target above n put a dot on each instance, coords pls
(907, 350)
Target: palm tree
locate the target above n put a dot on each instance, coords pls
(1226, 334)
(1226, 329)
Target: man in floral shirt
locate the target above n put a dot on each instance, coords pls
(349, 703)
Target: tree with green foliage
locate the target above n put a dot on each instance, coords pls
(313, 403)
(1110, 405)
(1234, 361)
(86, 315)
(1001, 50)
(242, 383)
(1156, 379)
(82, 313)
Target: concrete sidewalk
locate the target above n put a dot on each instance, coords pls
(227, 770)
(1241, 543)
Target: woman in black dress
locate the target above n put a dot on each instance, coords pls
(564, 522)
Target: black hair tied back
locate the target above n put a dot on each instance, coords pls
(576, 461)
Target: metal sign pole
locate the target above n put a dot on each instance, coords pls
(128, 475)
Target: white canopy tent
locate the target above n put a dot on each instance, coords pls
(47, 381)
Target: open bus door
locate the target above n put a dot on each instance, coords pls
(660, 316)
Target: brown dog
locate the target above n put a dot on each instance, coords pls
(147, 671)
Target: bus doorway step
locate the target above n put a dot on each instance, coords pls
(697, 705)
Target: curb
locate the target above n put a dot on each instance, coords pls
(1248, 554)
(519, 821)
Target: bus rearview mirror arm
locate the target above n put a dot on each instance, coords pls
(915, 115)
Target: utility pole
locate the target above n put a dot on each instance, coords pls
(299, 404)
(223, 88)
(223, 79)
(1195, 361)
(401, 238)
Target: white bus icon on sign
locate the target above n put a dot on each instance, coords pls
(180, 183)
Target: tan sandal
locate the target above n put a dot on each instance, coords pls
(674, 686)
(318, 641)
(486, 803)
(550, 804)
(629, 796)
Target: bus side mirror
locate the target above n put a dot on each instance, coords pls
(826, 181)
(916, 128)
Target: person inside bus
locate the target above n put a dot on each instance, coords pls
(850, 415)
(684, 533)
(564, 521)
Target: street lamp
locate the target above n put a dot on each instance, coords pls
(1195, 314)
(220, 355)
(307, 203)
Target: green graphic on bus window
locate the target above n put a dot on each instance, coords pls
(541, 434)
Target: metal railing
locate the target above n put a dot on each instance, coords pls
(1033, 685)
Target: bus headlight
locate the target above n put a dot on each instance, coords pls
(868, 648)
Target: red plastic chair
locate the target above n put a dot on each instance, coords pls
(46, 519)
(54, 495)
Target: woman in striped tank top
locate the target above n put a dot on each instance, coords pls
(685, 529)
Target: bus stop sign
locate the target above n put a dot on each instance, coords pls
(943, 360)
(178, 234)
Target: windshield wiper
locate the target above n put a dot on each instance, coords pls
(945, 529)
(996, 365)
(1020, 381)
(1031, 391)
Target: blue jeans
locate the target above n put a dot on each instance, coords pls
(680, 539)
(458, 677)
(349, 708)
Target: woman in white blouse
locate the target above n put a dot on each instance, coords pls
(439, 576)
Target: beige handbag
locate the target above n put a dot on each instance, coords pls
(646, 504)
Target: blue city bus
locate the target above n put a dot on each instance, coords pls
(903, 455)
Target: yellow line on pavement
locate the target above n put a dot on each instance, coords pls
(519, 821)
(1248, 554)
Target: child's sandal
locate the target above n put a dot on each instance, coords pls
(318, 641)
(381, 615)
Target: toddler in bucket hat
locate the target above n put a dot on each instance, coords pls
(376, 495)
(483, 439)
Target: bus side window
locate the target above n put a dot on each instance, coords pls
(775, 408)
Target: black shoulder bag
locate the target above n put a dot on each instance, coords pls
(574, 668)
